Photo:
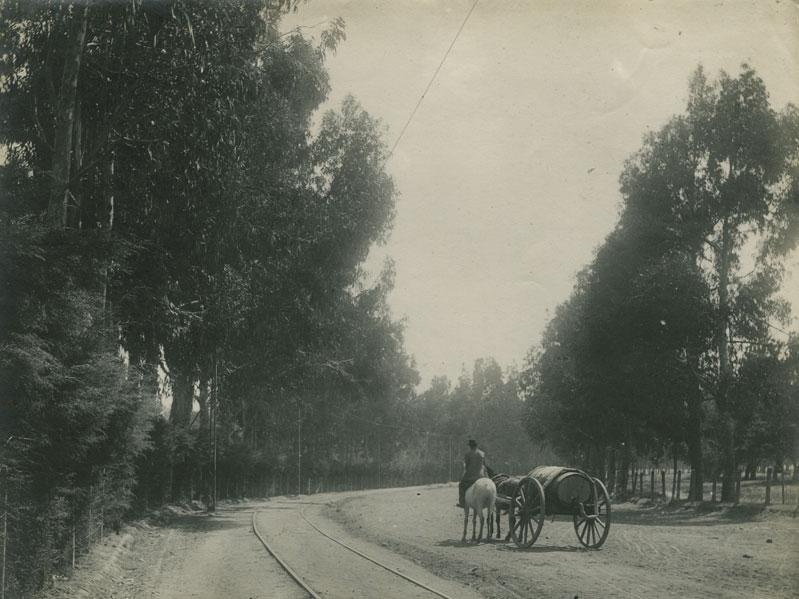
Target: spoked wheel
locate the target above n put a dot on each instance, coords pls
(592, 527)
(526, 512)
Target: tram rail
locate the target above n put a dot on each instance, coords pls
(304, 585)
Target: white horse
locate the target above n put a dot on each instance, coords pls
(481, 495)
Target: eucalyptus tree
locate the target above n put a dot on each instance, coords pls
(718, 180)
(136, 129)
(166, 148)
(653, 301)
(580, 383)
(663, 317)
(614, 374)
(132, 116)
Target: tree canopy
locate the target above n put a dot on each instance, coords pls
(174, 227)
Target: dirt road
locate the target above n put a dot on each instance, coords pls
(649, 553)
(219, 556)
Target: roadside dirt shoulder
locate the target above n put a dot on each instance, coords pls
(193, 555)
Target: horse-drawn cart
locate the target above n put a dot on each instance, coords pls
(554, 490)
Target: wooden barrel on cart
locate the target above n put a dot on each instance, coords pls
(564, 488)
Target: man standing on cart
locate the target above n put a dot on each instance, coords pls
(474, 467)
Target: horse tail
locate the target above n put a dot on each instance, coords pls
(492, 499)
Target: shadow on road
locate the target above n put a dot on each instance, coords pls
(541, 548)
(686, 515)
(503, 546)
(463, 544)
(201, 522)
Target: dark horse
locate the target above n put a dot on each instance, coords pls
(506, 487)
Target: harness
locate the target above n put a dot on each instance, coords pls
(506, 486)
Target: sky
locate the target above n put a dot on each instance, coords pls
(508, 173)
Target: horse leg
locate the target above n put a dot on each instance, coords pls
(482, 521)
(465, 523)
(498, 519)
(474, 523)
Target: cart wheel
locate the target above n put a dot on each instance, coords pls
(592, 529)
(526, 512)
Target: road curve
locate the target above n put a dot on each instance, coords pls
(299, 533)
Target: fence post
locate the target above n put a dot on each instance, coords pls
(679, 483)
(102, 503)
(663, 482)
(768, 486)
(652, 484)
(713, 492)
(641, 483)
(782, 482)
(91, 499)
(673, 484)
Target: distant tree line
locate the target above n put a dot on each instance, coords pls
(673, 342)
(486, 405)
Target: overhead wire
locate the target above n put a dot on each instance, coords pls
(432, 79)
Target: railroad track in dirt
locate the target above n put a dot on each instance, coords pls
(342, 546)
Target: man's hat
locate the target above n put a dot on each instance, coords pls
(472, 443)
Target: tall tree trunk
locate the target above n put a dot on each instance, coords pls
(77, 163)
(204, 408)
(674, 466)
(779, 463)
(626, 461)
(611, 476)
(598, 465)
(182, 399)
(63, 149)
(694, 441)
(205, 438)
(728, 464)
(108, 225)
